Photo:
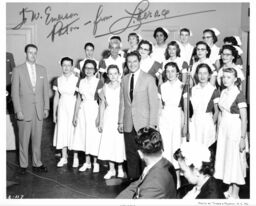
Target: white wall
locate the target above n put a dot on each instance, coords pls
(226, 17)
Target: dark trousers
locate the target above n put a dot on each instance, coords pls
(134, 163)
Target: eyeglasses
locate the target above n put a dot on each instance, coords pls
(89, 68)
(207, 37)
(200, 49)
(141, 48)
(227, 55)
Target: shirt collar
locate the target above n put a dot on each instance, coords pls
(30, 65)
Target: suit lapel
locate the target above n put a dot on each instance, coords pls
(37, 76)
(128, 87)
(138, 82)
(26, 74)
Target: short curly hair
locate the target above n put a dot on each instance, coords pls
(149, 140)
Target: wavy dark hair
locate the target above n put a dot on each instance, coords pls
(148, 43)
(149, 140)
(112, 66)
(133, 53)
(66, 59)
(160, 29)
(172, 43)
(233, 50)
(230, 39)
(89, 44)
(88, 61)
(215, 38)
(194, 54)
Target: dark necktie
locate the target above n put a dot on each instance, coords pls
(131, 87)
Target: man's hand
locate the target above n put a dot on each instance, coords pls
(46, 113)
(120, 128)
(20, 116)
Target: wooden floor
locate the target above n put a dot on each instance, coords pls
(65, 182)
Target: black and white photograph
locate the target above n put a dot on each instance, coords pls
(108, 102)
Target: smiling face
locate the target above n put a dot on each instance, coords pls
(114, 49)
(89, 70)
(113, 74)
(184, 36)
(227, 56)
(132, 41)
(160, 38)
(66, 67)
(31, 55)
(171, 73)
(144, 50)
(228, 79)
(133, 63)
(89, 52)
(201, 51)
(172, 50)
(203, 75)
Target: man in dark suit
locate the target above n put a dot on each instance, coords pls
(10, 64)
(139, 107)
(159, 178)
(30, 95)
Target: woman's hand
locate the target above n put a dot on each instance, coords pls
(242, 144)
(74, 122)
(55, 118)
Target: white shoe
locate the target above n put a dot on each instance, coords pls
(96, 168)
(227, 195)
(62, 162)
(110, 173)
(121, 174)
(75, 163)
(85, 167)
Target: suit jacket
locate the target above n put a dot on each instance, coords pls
(159, 182)
(10, 64)
(143, 110)
(210, 190)
(23, 96)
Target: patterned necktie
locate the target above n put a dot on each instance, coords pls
(131, 87)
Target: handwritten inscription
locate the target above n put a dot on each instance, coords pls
(60, 17)
(66, 23)
(59, 23)
(140, 13)
(99, 19)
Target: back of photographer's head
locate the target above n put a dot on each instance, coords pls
(195, 156)
(149, 141)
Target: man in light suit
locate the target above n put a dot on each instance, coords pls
(139, 107)
(159, 177)
(30, 95)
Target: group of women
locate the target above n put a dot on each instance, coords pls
(200, 95)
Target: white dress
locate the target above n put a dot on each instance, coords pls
(186, 51)
(201, 127)
(170, 119)
(112, 142)
(230, 164)
(64, 129)
(86, 136)
(214, 54)
(158, 53)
